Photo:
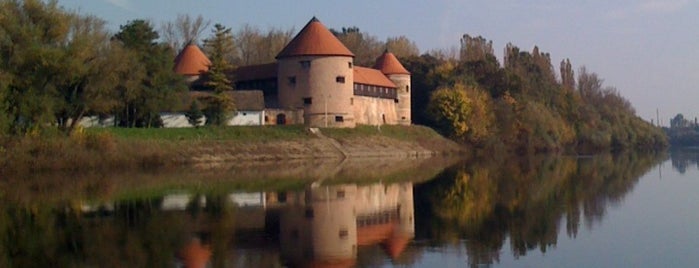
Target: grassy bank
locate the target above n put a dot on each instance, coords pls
(120, 148)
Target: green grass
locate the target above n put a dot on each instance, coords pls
(241, 133)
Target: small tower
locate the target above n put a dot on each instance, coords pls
(315, 74)
(191, 63)
(391, 67)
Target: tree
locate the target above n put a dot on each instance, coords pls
(475, 48)
(183, 30)
(220, 104)
(252, 46)
(567, 75)
(678, 121)
(402, 47)
(157, 87)
(90, 73)
(32, 34)
(461, 112)
(194, 115)
(366, 48)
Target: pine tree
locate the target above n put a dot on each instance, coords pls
(220, 104)
(194, 115)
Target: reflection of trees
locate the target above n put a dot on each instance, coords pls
(523, 199)
(135, 233)
(684, 158)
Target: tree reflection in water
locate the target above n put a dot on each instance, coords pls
(480, 206)
(476, 208)
(684, 158)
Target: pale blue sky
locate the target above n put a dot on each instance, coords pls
(647, 49)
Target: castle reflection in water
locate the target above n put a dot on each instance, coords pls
(326, 224)
(317, 227)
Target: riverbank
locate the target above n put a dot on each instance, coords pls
(116, 148)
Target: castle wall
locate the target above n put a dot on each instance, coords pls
(283, 117)
(321, 85)
(374, 111)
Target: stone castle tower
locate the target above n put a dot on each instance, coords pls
(315, 72)
(389, 65)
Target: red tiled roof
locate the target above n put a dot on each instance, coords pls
(255, 72)
(389, 64)
(368, 76)
(191, 61)
(315, 40)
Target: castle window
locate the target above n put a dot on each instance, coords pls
(349, 64)
(407, 88)
(351, 101)
(396, 100)
(292, 80)
(307, 100)
(339, 119)
(343, 233)
(305, 64)
(340, 79)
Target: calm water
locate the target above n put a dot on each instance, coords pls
(602, 211)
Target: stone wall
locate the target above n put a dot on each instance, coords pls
(374, 111)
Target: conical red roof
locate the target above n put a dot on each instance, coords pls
(389, 64)
(191, 61)
(315, 40)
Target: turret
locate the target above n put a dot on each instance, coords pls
(394, 70)
(191, 63)
(315, 74)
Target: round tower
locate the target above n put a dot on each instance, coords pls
(394, 70)
(191, 63)
(315, 74)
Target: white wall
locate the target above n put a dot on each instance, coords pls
(247, 118)
(175, 120)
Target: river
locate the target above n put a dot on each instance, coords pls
(627, 210)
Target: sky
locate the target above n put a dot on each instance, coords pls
(646, 49)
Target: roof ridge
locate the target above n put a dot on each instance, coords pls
(389, 64)
(314, 39)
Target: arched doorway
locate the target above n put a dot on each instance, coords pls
(281, 119)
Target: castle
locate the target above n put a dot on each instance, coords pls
(314, 82)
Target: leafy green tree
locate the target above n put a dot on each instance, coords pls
(90, 73)
(32, 34)
(220, 104)
(155, 86)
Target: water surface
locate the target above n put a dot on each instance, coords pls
(631, 210)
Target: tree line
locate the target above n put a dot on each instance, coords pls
(522, 105)
(57, 66)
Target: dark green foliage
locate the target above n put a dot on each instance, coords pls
(194, 115)
(219, 105)
(155, 87)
